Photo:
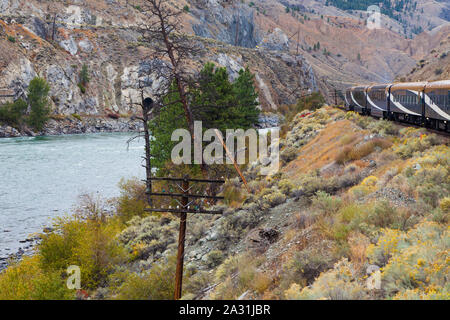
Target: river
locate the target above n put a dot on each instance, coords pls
(42, 178)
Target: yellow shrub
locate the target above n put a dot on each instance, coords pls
(339, 283)
(261, 282)
(89, 244)
(367, 186)
(417, 261)
(360, 191)
(26, 280)
(370, 181)
(445, 205)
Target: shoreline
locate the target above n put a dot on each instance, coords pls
(27, 250)
(74, 126)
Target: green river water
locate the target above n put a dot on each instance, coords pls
(42, 177)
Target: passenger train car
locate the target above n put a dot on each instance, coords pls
(420, 103)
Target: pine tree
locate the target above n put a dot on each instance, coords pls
(84, 75)
(38, 100)
(246, 112)
(215, 101)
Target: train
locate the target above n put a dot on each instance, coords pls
(424, 104)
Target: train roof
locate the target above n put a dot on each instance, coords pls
(358, 88)
(418, 86)
(378, 86)
(442, 84)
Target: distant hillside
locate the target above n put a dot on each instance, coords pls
(434, 66)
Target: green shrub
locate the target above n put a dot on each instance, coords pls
(150, 236)
(198, 282)
(88, 242)
(274, 198)
(84, 75)
(155, 284)
(288, 154)
(382, 215)
(325, 203)
(11, 39)
(13, 113)
(286, 186)
(76, 116)
(312, 102)
(132, 199)
(306, 265)
(82, 88)
(416, 141)
(86, 239)
(384, 127)
(238, 274)
(445, 204)
(214, 258)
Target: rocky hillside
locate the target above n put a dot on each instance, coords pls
(434, 66)
(337, 43)
(105, 37)
(287, 45)
(354, 196)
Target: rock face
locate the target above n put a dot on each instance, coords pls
(232, 25)
(277, 40)
(268, 120)
(8, 132)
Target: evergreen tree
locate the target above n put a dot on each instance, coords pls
(38, 100)
(245, 112)
(169, 118)
(84, 75)
(215, 101)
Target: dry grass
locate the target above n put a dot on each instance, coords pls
(358, 245)
(352, 152)
(320, 150)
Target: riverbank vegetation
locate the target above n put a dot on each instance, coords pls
(34, 112)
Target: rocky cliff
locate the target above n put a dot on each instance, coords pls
(105, 37)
